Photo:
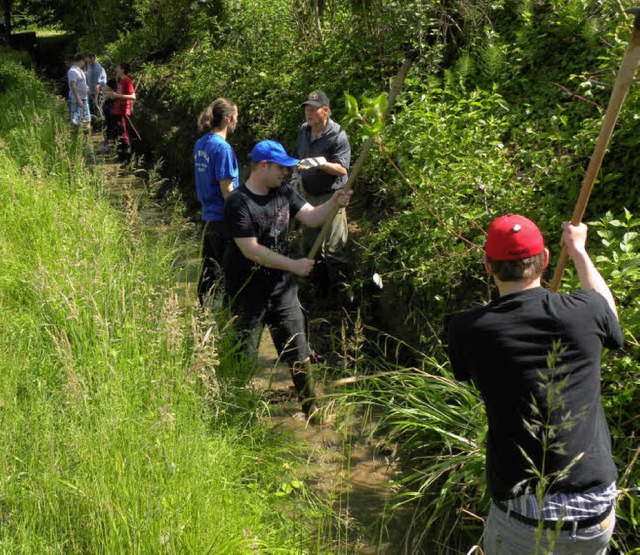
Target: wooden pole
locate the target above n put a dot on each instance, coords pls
(620, 89)
(397, 85)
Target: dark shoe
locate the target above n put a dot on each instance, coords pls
(303, 382)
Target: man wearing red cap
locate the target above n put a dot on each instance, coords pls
(535, 355)
(258, 269)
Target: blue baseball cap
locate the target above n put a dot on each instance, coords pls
(272, 151)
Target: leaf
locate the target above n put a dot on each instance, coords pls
(377, 280)
(352, 105)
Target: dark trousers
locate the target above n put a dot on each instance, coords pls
(278, 308)
(214, 243)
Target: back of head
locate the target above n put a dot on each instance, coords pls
(212, 117)
(515, 248)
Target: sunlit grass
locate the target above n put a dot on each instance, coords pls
(122, 428)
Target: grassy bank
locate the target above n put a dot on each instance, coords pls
(118, 434)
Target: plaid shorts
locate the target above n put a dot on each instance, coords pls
(79, 114)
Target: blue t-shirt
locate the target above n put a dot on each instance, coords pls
(96, 75)
(214, 160)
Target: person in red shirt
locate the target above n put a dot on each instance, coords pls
(124, 97)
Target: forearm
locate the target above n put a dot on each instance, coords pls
(334, 168)
(317, 216)
(590, 277)
(268, 258)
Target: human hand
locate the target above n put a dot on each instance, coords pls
(302, 266)
(574, 237)
(342, 198)
(308, 163)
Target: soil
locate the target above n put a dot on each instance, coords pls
(342, 463)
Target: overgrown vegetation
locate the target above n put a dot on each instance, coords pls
(500, 113)
(124, 424)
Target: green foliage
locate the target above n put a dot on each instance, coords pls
(119, 433)
(369, 115)
(435, 198)
(500, 113)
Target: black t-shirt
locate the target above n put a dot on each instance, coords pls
(266, 217)
(505, 347)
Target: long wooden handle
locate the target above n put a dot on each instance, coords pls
(397, 85)
(620, 89)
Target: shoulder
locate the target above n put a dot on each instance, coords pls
(236, 198)
(580, 298)
(211, 142)
(222, 147)
(461, 322)
(335, 129)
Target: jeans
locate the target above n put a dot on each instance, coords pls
(280, 310)
(504, 535)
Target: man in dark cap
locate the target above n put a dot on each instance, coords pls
(326, 155)
(535, 355)
(258, 269)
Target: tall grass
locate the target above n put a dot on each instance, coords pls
(437, 428)
(116, 435)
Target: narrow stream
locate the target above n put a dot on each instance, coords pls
(343, 466)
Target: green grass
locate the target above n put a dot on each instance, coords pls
(122, 431)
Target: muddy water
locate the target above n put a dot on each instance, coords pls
(343, 466)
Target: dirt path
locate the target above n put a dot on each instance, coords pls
(342, 465)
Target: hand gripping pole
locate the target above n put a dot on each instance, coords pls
(620, 89)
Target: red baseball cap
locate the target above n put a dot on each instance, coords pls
(513, 237)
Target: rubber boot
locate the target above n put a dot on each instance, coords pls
(303, 381)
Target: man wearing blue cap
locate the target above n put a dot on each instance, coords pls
(260, 275)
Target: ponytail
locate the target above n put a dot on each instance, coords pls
(212, 117)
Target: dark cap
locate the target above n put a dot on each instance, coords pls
(317, 99)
